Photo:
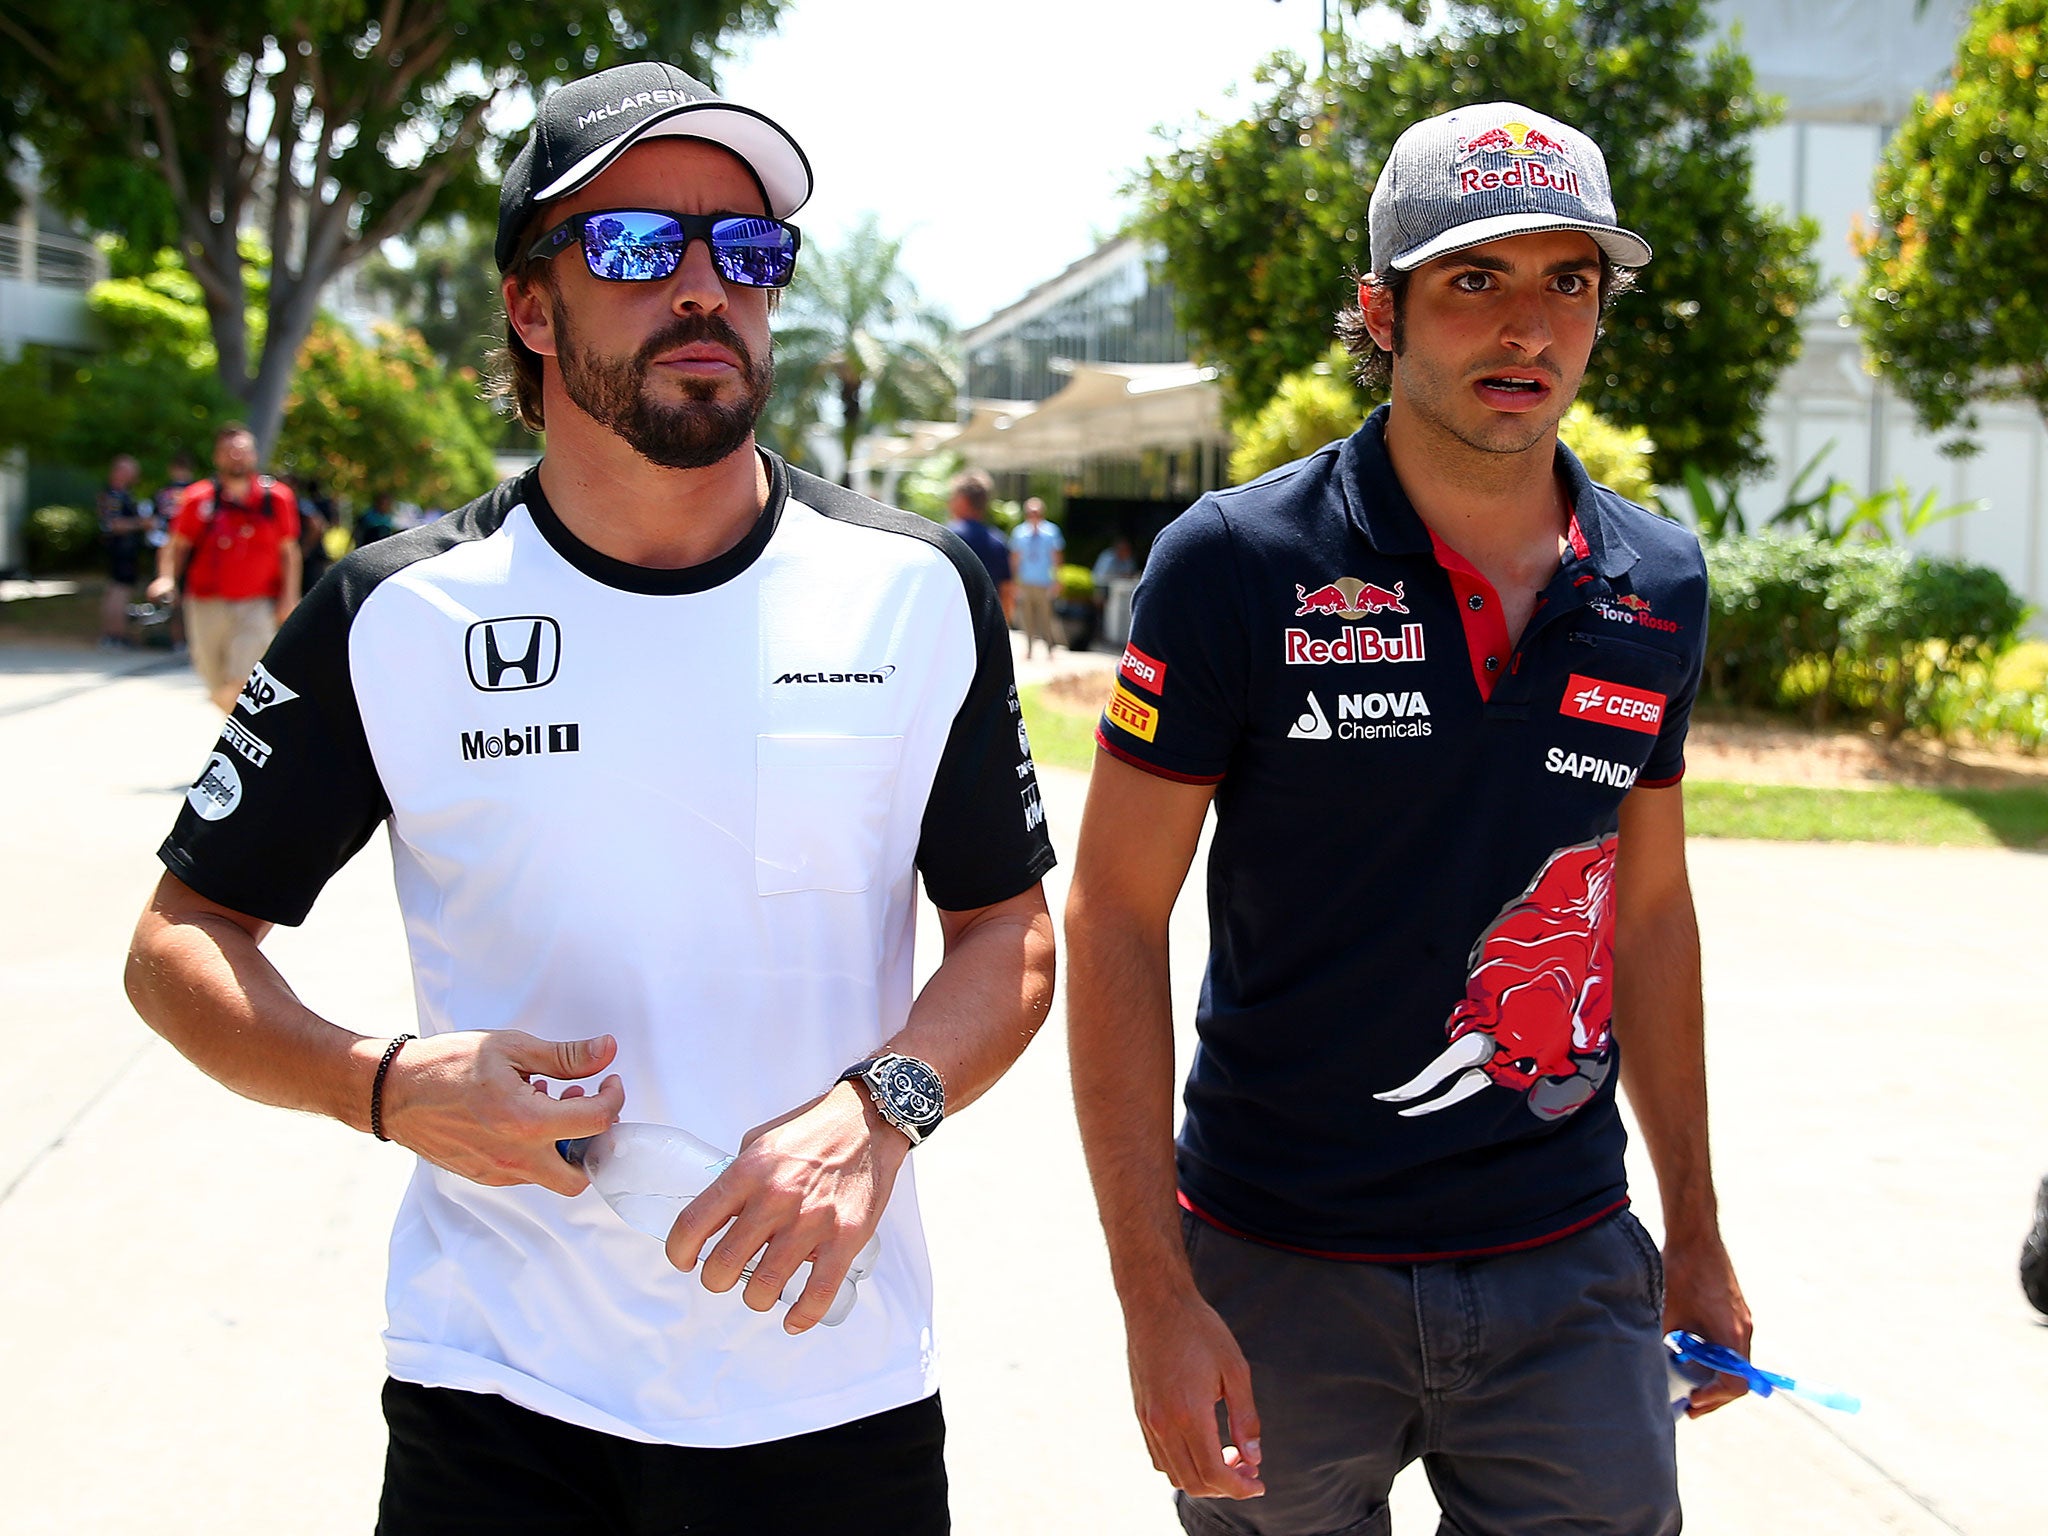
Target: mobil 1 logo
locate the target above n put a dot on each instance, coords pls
(521, 741)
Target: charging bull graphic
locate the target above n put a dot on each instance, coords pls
(1349, 598)
(1538, 1008)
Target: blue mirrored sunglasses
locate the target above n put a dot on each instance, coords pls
(644, 245)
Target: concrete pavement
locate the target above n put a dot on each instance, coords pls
(190, 1284)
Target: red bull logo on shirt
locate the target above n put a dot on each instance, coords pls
(1537, 1015)
(1535, 159)
(1349, 598)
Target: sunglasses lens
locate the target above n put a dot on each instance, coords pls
(757, 253)
(633, 247)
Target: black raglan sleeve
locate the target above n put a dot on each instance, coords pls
(983, 838)
(289, 792)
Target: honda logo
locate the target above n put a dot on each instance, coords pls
(506, 655)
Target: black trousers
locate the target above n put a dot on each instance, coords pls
(470, 1464)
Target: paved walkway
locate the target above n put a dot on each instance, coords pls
(190, 1284)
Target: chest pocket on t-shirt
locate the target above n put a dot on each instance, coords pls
(821, 811)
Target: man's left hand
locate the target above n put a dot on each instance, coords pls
(1702, 1294)
(810, 1186)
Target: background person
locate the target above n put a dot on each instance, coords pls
(664, 734)
(969, 503)
(1037, 546)
(1396, 1223)
(234, 554)
(124, 530)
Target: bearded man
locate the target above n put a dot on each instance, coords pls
(662, 733)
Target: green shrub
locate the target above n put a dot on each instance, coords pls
(1904, 639)
(60, 539)
(1315, 406)
(1616, 457)
(1076, 583)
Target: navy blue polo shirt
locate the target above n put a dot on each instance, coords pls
(1405, 1027)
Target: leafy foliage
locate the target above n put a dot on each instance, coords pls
(365, 419)
(362, 418)
(342, 123)
(854, 333)
(59, 538)
(1315, 406)
(1263, 221)
(1857, 625)
(1954, 303)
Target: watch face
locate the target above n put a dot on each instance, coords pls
(913, 1090)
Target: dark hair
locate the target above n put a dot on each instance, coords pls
(1373, 365)
(975, 488)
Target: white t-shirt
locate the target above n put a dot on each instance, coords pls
(684, 808)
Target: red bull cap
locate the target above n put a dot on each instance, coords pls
(1485, 172)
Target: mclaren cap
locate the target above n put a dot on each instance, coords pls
(584, 126)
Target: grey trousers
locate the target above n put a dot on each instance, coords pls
(1531, 1385)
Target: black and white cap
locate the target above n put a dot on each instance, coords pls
(584, 126)
(1484, 172)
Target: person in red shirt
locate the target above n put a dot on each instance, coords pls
(235, 544)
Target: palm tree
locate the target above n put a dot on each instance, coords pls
(853, 331)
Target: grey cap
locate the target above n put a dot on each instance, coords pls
(585, 125)
(1484, 172)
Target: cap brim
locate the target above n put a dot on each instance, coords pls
(775, 158)
(1626, 248)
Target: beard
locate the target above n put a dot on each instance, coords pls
(693, 432)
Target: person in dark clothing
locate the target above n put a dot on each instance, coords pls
(123, 524)
(969, 506)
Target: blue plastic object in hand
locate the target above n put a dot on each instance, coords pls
(1694, 1350)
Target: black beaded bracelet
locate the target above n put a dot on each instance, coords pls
(377, 1086)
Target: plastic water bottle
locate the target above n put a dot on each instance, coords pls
(648, 1173)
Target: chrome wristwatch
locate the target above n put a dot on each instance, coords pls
(907, 1093)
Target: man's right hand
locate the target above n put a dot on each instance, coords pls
(1183, 1362)
(476, 1103)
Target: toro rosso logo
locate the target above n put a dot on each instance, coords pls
(1349, 598)
(1535, 159)
(1538, 1009)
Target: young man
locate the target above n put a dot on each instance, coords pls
(1436, 683)
(234, 554)
(1038, 546)
(663, 734)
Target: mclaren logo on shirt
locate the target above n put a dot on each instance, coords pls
(505, 655)
(881, 676)
(521, 741)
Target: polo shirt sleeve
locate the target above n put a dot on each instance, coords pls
(290, 792)
(1666, 765)
(983, 838)
(1178, 705)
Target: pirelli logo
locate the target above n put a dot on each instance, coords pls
(1130, 713)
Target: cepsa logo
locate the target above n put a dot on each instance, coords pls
(1145, 671)
(1633, 709)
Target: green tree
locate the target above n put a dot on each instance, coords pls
(385, 417)
(1263, 221)
(1954, 300)
(362, 416)
(338, 124)
(854, 332)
